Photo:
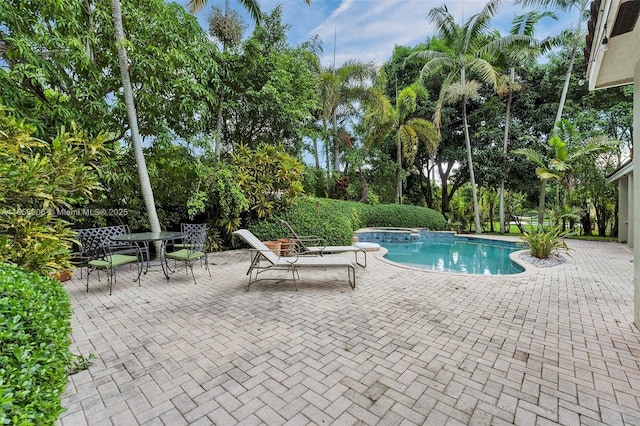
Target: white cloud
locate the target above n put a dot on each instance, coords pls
(368, 30)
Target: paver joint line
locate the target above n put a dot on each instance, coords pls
(405, 347)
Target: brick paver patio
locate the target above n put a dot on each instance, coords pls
(550, 346)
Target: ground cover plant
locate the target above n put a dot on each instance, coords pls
(35, 325)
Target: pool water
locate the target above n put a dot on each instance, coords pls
(463, 255)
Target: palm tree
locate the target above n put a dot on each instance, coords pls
(574, 39)
(523, 54)
(339, 91)
(252, 6)
(467, 47)
(123, 62)
(558, 162)
(383, 120)
(313, 50)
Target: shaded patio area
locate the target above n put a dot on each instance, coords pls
(553, 345)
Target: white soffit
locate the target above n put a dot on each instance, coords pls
(613, 58)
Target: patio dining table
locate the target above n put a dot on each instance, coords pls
(142, 240)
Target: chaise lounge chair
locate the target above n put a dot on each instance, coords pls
(306, 247)
(263, 259)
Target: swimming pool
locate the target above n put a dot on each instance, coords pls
(446, 252)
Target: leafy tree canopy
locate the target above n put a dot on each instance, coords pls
(60, 65)
(271, 85)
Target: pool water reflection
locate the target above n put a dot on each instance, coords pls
(470, 256)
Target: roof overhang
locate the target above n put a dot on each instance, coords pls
(622, 171)
(613, 43)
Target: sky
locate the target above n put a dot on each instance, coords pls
(368, 30)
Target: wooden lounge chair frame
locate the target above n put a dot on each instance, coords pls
(319, 248)
(263, 259)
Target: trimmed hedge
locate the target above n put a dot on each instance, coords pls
(35, 325)
(405, 216)
(335, 220)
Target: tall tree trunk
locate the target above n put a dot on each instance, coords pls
(123, 62)
(336, 144)
(218, 140)
(505, 147)
(444, 179)
(467, 138)
(316, 155)
(565, 88)
(541, 198)
(425, 184)
(567, 79)
(90, 25)
(327, 148)
(219, 118)
(398, 170)
(563, 98)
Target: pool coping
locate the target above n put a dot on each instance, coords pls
(529, 269)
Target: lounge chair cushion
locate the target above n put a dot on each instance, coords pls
(368, 246)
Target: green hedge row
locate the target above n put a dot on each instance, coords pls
(335, 220)
(35, 325)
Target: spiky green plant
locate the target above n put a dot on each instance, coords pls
(542, 242)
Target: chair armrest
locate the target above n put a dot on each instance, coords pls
(311, 240)
(306, 238)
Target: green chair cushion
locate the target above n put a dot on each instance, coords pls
(113, 261)
(185, 255)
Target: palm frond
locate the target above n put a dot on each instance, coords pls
(559, 147)
(437, 114)
(406, 102)
(446, 27)
(427, 134)
(546, 174)
(487, 72)
(253, 7)
(409, 142)
(500, 45)
(563, 5)
(425, 54)
(525, 24)
(194, 6)
(446, 63)
(559, 165)
(478, 24)
(532, 155)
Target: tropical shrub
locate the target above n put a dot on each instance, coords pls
(270, 178)
(542, 242)
(35, 325)
(314, 182)
(218, 196)
(39, 182)
(335, 220)
(405, 216)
